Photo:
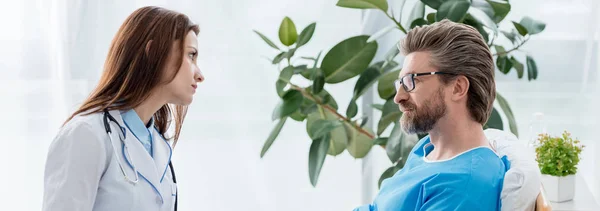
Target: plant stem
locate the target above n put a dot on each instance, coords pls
(332, 110)
(397, 23)
(513, 49)
(492, 41)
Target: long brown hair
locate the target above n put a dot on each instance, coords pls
(135, 63)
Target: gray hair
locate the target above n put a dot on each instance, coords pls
(460, 49)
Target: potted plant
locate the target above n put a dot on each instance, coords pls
(557, 159)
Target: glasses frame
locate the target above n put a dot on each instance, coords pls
(412, 76)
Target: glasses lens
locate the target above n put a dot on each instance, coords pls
(397, 84)
(408, 83)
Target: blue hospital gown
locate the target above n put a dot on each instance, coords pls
(470, 181)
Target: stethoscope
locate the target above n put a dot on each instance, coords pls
(107, 120)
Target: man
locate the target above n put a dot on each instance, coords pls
(446, 88)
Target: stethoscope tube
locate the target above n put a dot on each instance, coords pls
(109, 118)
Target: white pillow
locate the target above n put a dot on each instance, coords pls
(523, 180)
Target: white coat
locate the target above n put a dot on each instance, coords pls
(82, 172)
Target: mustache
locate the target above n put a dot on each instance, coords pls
(408, 106)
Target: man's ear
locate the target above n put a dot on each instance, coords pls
(147, 50)
(461, 88)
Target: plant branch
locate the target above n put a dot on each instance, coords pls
(513, 49)
(492, 41)
(332, 110)
(397, 23)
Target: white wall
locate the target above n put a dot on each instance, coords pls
(52, 51)
(217, 158)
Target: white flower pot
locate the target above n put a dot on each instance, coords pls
(559, 189)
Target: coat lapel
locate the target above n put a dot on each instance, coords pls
(162, 153)
(138, 158)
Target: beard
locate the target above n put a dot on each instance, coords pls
(423, 119)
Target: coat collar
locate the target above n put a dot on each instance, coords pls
(150, 170)
(138, 128)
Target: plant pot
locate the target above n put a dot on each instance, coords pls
(559, 189)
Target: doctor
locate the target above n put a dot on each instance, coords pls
(113, 152)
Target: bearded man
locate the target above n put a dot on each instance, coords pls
(446, 89)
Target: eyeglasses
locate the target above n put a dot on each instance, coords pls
(408, 81)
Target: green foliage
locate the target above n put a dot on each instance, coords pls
(332, 132)
(558, 156)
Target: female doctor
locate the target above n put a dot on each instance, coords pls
(112, 153)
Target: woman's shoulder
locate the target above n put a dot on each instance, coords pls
(82, 124)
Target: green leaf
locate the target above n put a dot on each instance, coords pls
(471, 21)
(521, 29)
(496, 10)
(308, 106)
(308, 73)
(306, 34)
(390, 172)
(399, 144)
(364, 121)
(417, 12)
(482, 18)
(352, 109)
(308, 58)
(387, 174)
(364, 4)
(316, 157)
(381, 32)
(532, 71)
(377, 106)
(484, 7)
(418, 22)
(504, 64)
(365, 81)
(394, 144)
(382, 141)
(289, 53)
(317, 59)
(278, 58)
(322, 127)
(454, 10)
(431, 17)
(272, 136)
(298, 116)
(435, 4)
(512, 124)
(532, 26)
(324, 94)
(510, 35)
(348, 59)
(518, 66)
(300, 68)
(287, 32)
(318, 81)
(389, 114)
(501, 10)
(291, 101)
(385, 86)
(500, 50)
(338, 135)
(389, 57)
(284, 78)
(359, 144)
(495, 121)
(267, 40)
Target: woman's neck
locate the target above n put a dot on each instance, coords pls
(147, 109)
